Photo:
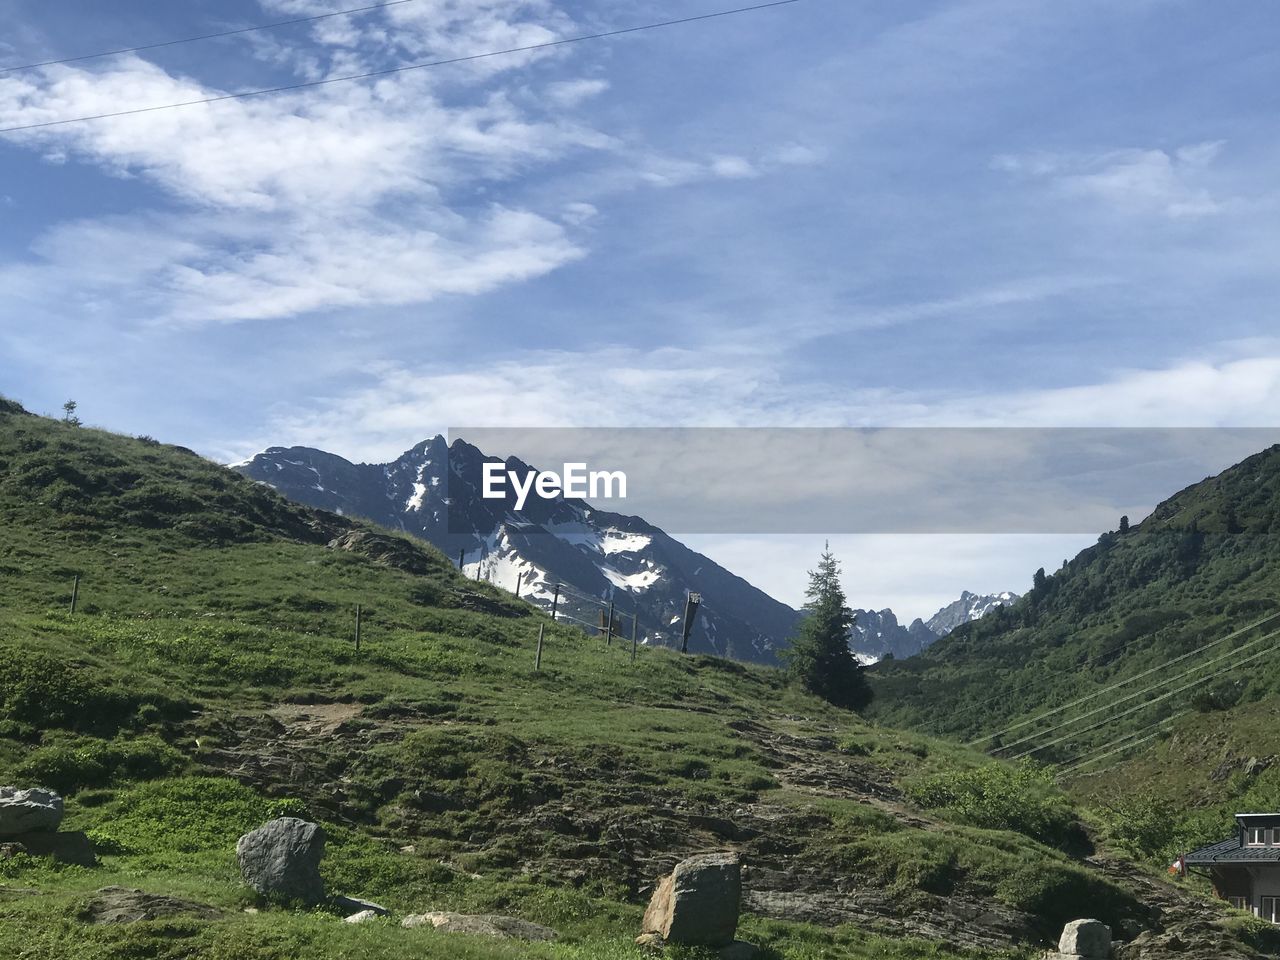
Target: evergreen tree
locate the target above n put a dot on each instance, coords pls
(1124, 524)
(69, 413)
(819, 657)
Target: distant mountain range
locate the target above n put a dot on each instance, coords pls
(433, 491)
(878, 634)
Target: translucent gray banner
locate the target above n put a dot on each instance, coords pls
(845, 480)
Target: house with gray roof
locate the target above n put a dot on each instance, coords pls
(1245, 868)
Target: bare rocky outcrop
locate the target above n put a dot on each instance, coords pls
(122, 905)
(487, 925)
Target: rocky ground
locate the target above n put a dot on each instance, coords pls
(629, 834)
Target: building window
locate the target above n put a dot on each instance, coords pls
(1270, 909)
(1255, 837)
(1275, 836)
(1240, 903)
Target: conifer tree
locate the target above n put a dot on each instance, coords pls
(819, 657)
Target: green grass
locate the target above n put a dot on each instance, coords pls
(207, 605)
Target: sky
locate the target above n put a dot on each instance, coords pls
(972, 213)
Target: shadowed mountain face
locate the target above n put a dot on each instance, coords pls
(434, 491)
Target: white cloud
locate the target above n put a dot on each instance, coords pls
(568, 94)
(1130, 180)
(339, 196)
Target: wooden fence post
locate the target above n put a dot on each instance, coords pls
(537, 660)
(555, 602)
(608, 640)
(357, 628)
(519, 580)
(75, 592)
(461, 555)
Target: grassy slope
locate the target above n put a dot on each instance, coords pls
(209, 682)
(1206, 562)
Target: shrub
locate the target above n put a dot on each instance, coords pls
(96, 763)
(1057, 893)
(1003, 796)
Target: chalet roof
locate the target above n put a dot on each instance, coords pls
(1233, 851)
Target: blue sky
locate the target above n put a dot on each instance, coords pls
(971, 213)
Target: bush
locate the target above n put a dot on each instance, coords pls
(1057, 893)
(1001, 796)
(96, 763)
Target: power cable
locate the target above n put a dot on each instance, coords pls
(203, 36)
(394, 70)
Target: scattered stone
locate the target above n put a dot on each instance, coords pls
(351, 905)
(29, 811)
(486, 925)
(8, 850)
(364, 916)
(697, 903)
(71, 847)
(650, 940)
(1086, 938)
(121, 905)
(281, 859)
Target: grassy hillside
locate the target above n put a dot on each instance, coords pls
(209, 680)
(1205, 564)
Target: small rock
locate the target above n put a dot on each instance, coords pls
(282, 859)
(482, 924)
(650, 940)
(364, 916)
(29, 811)
(8, 850)
(121, 905)
(697, 903)
(1086, 938)
(351, 905)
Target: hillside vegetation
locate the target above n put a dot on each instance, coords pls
(208, 680)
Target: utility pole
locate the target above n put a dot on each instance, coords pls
(690, 611)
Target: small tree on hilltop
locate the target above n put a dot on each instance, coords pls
(69, 413)
(819, 656)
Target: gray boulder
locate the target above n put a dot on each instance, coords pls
(1086, 938)
(29, 811)
(281, 859)
(698, 902)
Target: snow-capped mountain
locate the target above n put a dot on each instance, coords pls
(970, 606)
(433, 491)
(878, 634)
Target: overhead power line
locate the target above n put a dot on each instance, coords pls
(1137, 693)
(1142, 706)
(1120, 683)
(1073, 765)
(204, 36)
(302, 85)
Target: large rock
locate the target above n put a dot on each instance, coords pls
(487, 925)
(697, 903)
(122, 905)
(281, 859)
(29, 811)
(1086, 938)
(71, 846)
